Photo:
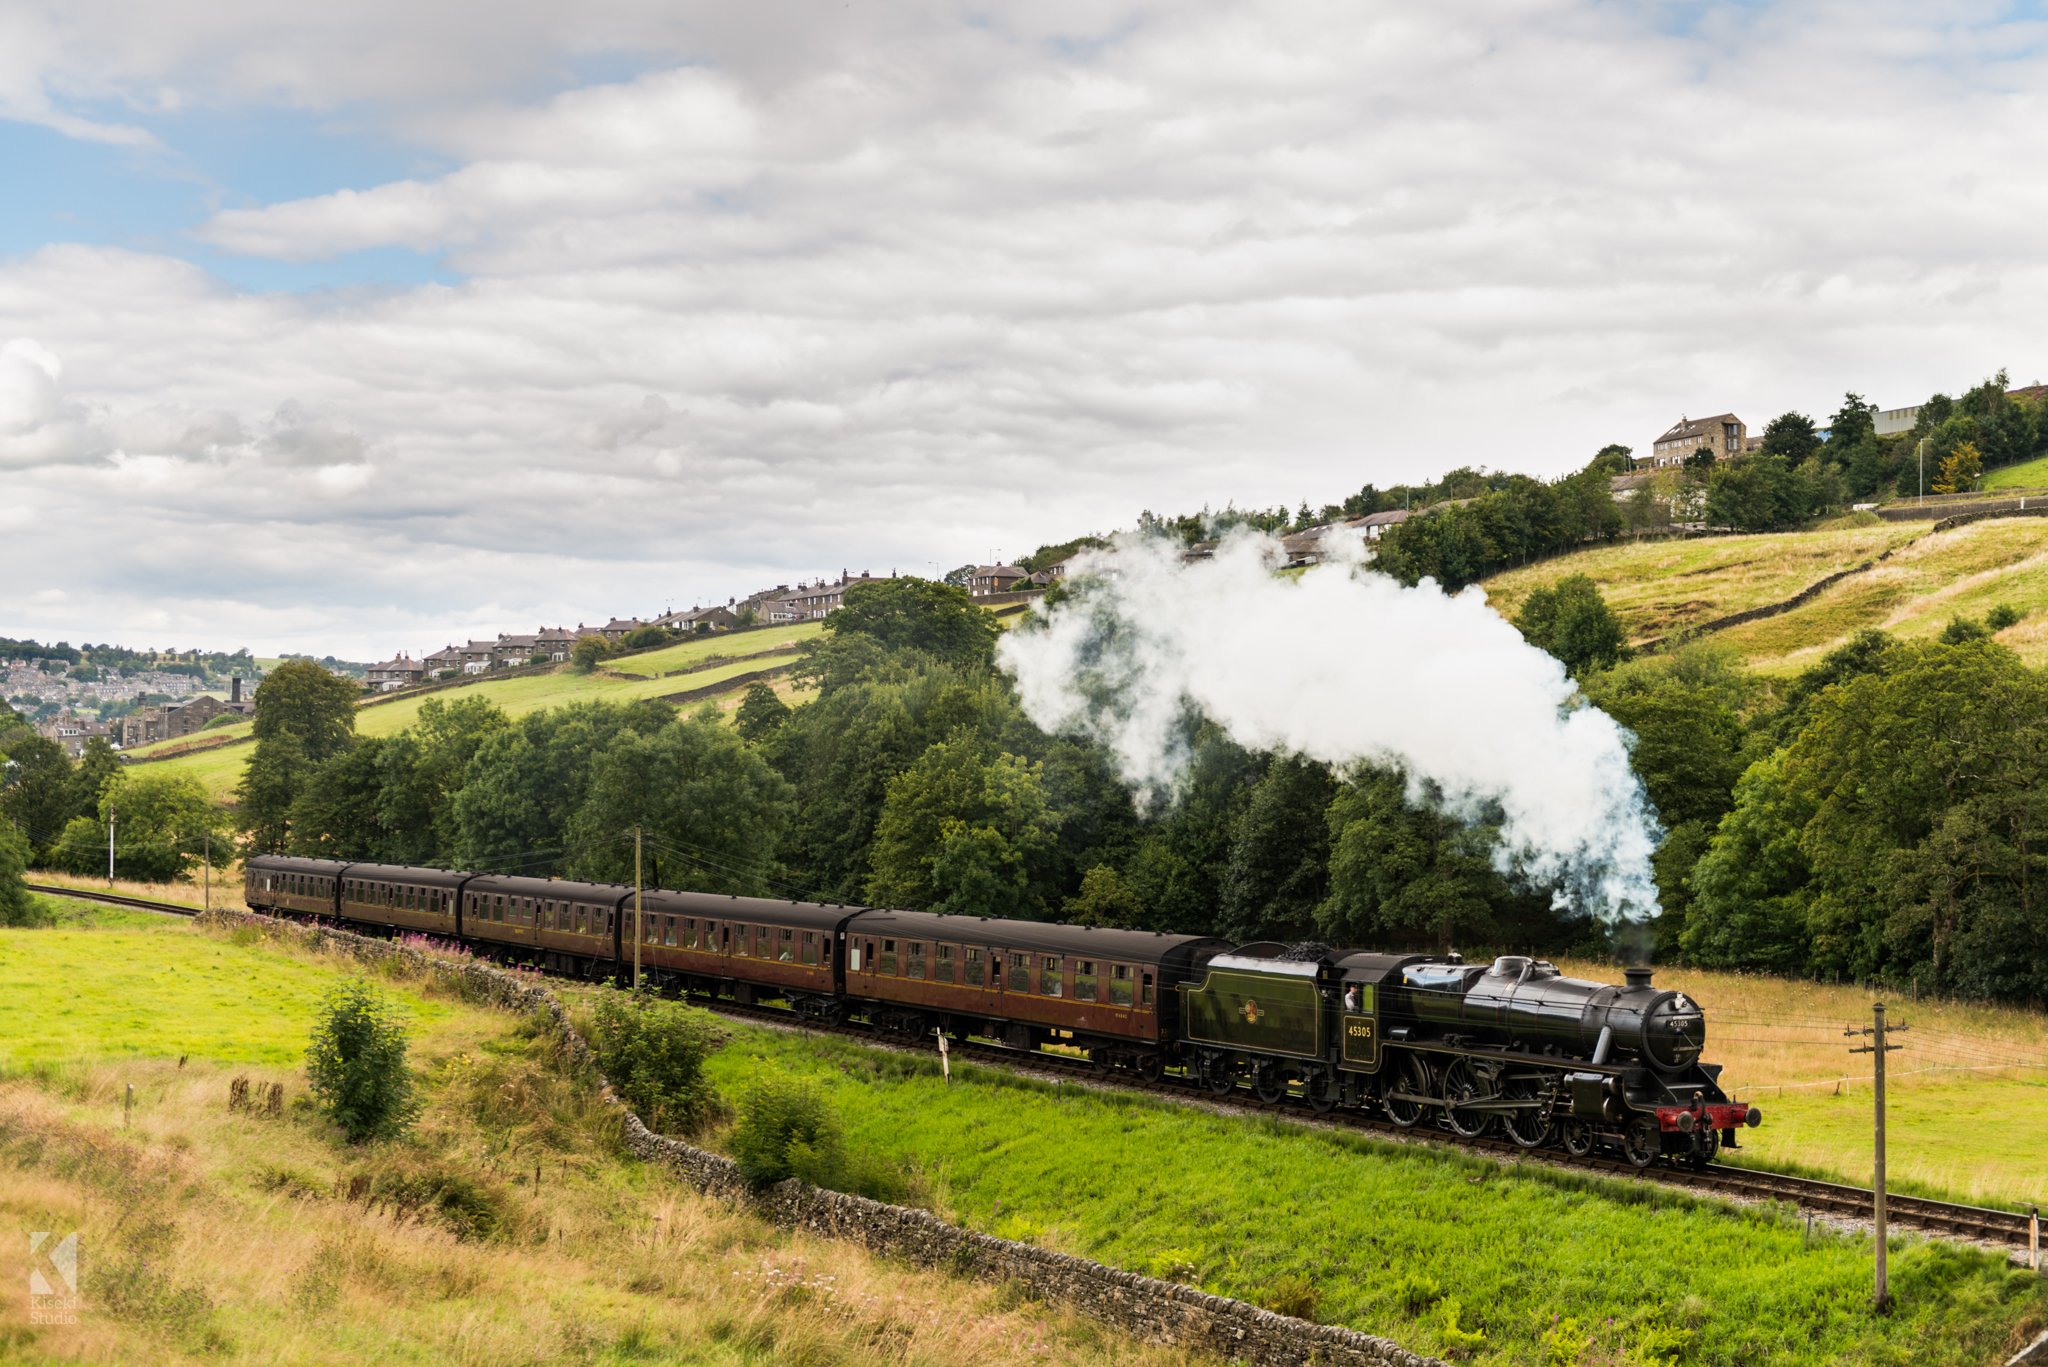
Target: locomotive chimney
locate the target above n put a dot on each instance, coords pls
(1636, 977)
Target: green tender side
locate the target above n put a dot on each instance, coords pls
(1241, 1010)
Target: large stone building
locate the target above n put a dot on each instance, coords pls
(1724, 434)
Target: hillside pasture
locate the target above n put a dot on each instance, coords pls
(506, 1228)
(219, 770)
(1664, 586)
(737, 645)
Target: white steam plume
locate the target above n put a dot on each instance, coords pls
(1345, 664)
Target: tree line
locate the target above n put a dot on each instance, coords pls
(1879, 816)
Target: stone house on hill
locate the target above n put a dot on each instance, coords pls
(989, 579)
(1726, 435)
(396, 672)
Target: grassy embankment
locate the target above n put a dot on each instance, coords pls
(220, 769)
(2031, 474)
(1421, 1245)
(1662, 587)
(230, 1238)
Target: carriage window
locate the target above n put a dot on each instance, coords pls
(1049, 977)
(689, 932)
(1020, 972)
(916, 968)
(887, 964)
(1119, 984)
(1145, 992)
(810, 947)
(976, 976)
(608, 922)
(1084, 980)
(944, 971)
(670, 928)
(739, 940)
(785, 946)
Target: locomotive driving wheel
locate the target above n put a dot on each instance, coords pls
(1269, 1084)
(1411, 1076)
(1530, 1126)
(1462, 1086)
(1642, 1141)
(1221, 1077)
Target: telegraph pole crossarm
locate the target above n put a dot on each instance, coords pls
(1878, 1047)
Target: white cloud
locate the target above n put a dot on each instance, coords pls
(914, 286)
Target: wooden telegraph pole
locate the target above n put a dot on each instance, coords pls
(1877, 1049)
(110, 846)
(638, 929)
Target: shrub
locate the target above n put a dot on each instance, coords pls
(18, 906)
(1296, 1296)
(1415, 1292)
(588, 650)
(1456, 1339)
(2002, 616)
(641, 637)
(654, 1052)
(785, 1130)
(356, 1063)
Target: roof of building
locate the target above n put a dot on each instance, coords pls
(1698, 427)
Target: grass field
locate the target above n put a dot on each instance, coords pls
(1550, 1268)
(2032, 474)
(1661, 587)
(687, 653)
(213, 1237)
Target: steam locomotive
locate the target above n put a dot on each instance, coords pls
(1511, 1047)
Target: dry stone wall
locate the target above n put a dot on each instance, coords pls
(1150, 1309)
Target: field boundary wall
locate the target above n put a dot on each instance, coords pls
(1819, 586)
(1145, 1307)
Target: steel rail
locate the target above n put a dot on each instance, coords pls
(1827, 1198)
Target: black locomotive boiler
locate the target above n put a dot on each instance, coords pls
(1512, 1046)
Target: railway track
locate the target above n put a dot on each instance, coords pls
(1997, 1227)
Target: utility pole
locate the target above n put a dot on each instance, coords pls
(206, 901)
(1877, 1048)
(638, 929)
(1920, 459)
(110, 845)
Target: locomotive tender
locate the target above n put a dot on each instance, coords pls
(1511, 1046)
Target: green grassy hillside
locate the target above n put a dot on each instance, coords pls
(1667, 586)
(635, 677)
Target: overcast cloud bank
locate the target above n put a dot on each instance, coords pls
(822, 289)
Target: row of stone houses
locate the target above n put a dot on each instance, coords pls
(806, 602)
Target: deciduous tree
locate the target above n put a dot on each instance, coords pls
(305, 700)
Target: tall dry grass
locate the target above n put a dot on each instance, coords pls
(230, 1237)
(227, 886)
